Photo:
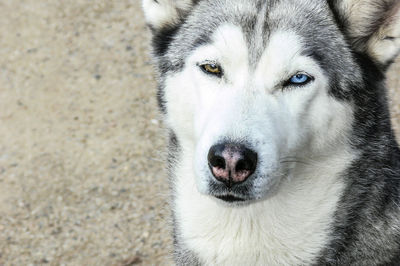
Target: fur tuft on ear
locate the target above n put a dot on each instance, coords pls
(165, 13)
(372, 26)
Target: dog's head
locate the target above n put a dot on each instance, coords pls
(252, 88)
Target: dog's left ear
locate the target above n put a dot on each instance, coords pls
(372, 26)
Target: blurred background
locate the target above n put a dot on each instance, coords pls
(82, 178)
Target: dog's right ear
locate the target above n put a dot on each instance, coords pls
(161, 14)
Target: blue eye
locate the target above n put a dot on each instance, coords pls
(299, 79)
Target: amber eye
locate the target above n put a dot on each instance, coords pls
(213, 69)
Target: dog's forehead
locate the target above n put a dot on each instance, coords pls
(258, 20)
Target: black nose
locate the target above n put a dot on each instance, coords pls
(231, 163)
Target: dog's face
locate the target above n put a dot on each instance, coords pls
(252, 89)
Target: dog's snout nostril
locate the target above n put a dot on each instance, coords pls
(217, 161)
(249, 161)
(231, 163)
(242, 165)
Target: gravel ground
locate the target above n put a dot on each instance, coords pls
(81, 169)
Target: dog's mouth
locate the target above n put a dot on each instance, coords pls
(239, 194)
(230, 198)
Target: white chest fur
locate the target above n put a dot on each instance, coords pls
(289, 228)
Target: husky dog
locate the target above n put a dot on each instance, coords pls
(281, 149)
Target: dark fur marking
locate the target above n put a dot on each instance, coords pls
(160, 99)
(162, 39)
(337, 17)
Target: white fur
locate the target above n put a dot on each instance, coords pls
(248, 103)
(164, 12)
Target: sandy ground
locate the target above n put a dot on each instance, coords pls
(81, 170)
